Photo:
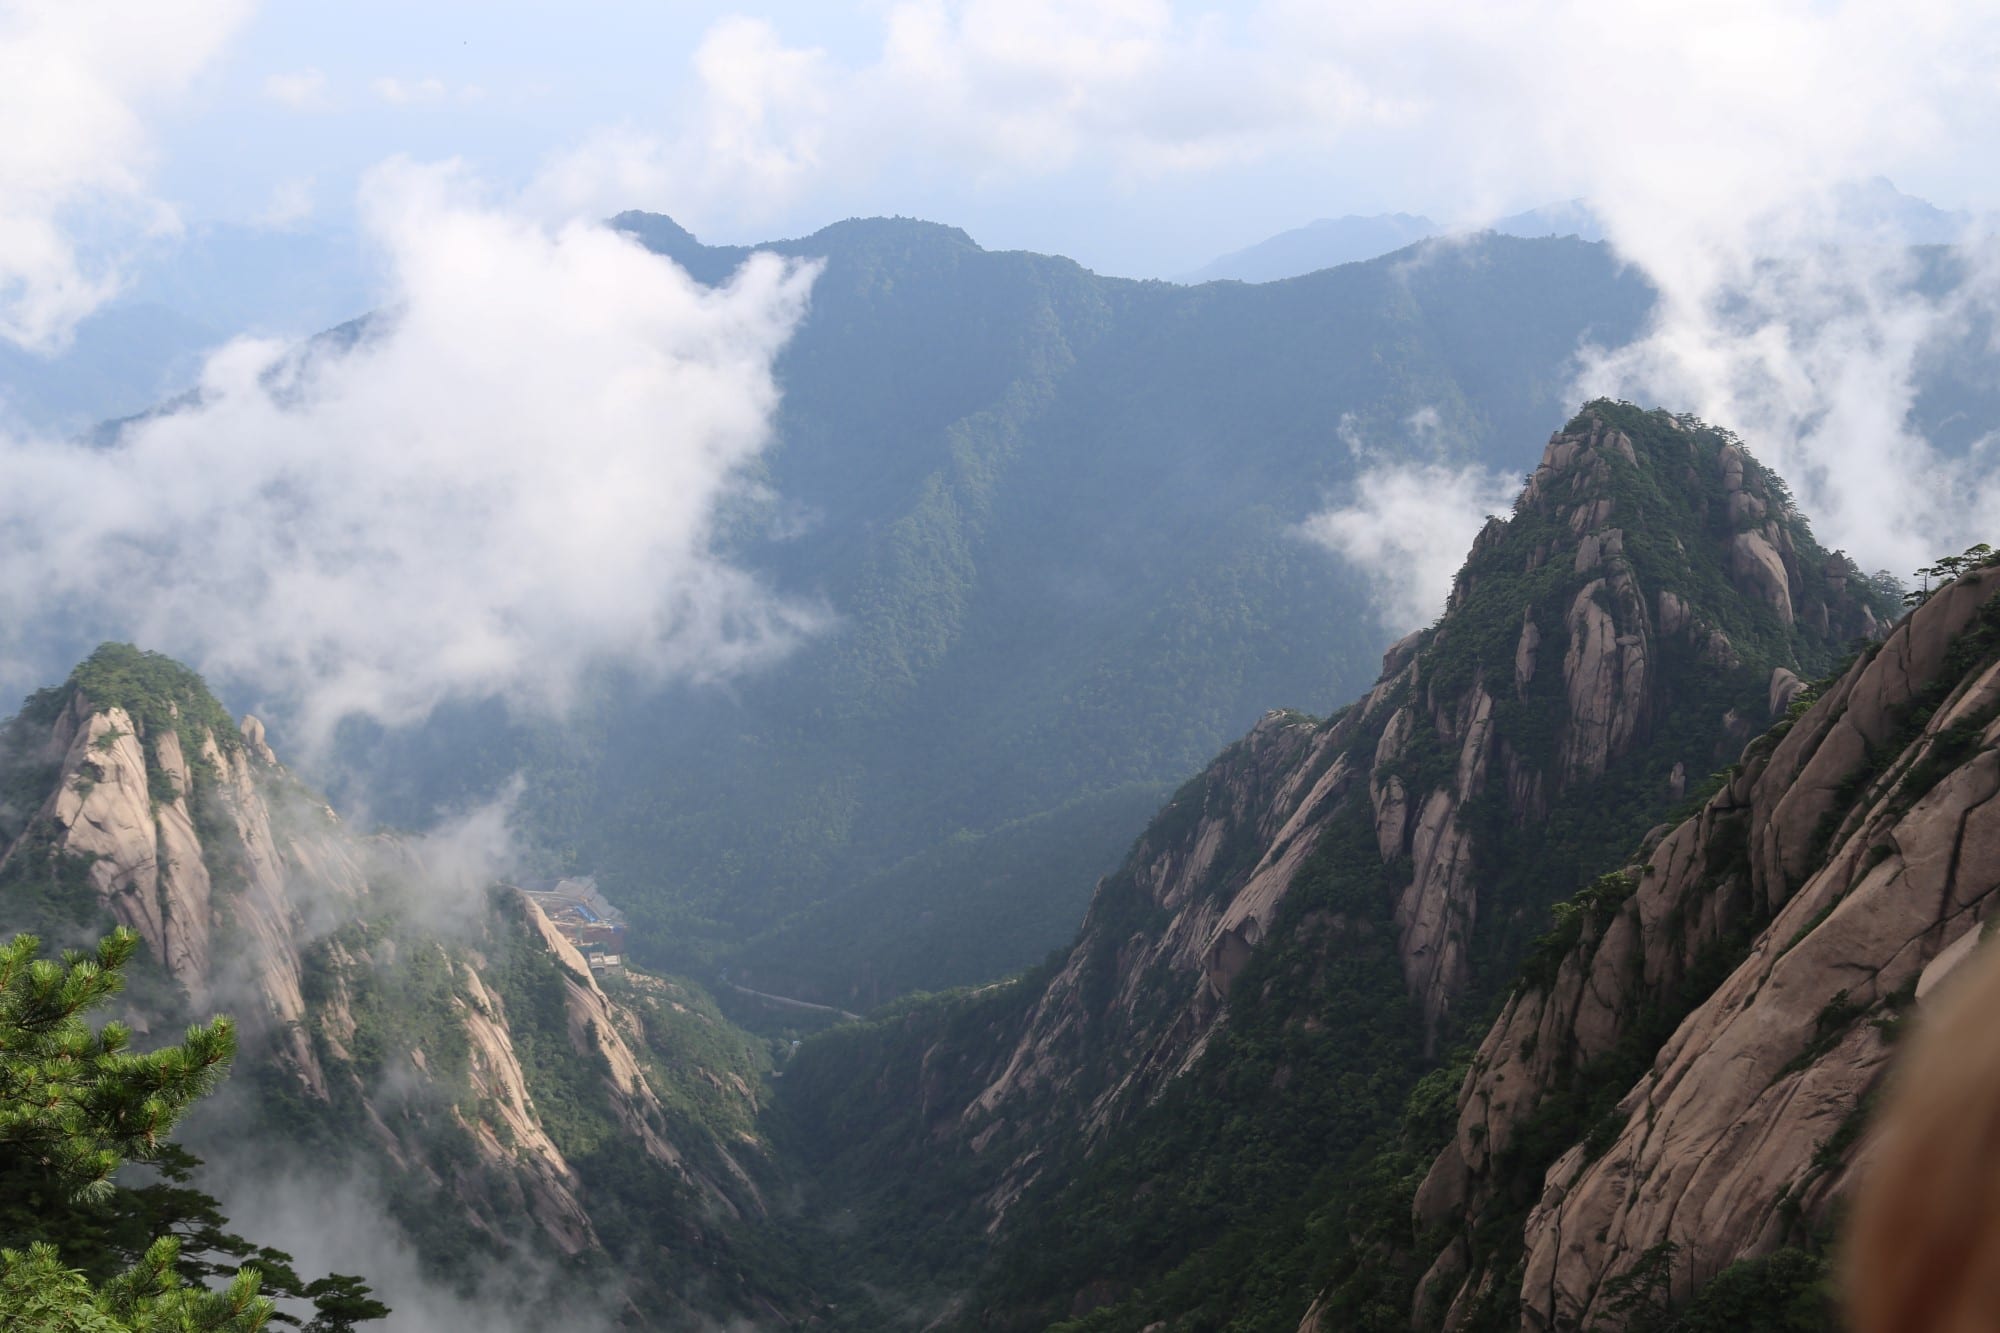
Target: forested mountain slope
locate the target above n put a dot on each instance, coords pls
(1055, 515)
(1329, 907)
(516, 1110)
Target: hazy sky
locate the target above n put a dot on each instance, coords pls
(1140, 136)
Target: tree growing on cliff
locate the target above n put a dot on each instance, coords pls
(78, 1252)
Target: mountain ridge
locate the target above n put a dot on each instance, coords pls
(1310, 915)
(1870, 212)
(1056, 515)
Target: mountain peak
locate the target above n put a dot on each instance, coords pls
(384, 1015)
(1321, 243)
(153, 689)
(875, 229)
(1695, 510)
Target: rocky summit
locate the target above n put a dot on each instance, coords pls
(1333, 906)
(446, 1040)
(1760, 959)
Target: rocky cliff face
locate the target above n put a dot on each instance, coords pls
(1562, 658)
(482, 1060)
(1758, 962)
(1650, 601)
(123, 809)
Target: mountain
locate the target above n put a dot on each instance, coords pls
(125, 359)
(1572, 217)
(1252, 1032)
(1265, 1087)
(1331, 242)
(1055, 519)
(1675, 1100)
(1876, 207)
(1870, 212)
(1323, 243)
(513, 1108)
(1056, 516)
(182, 297)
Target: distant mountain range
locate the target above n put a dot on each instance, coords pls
(185, 297)
(1873, 208)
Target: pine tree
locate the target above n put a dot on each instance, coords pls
(84, 1254)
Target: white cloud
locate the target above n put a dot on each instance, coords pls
(301, 90)
(427, 91)
(410, 92)
(1713, 138)
(76, 77)
(332, 1221)
(1717, 142)
(513, 476)
(1410, 520)
(750, 138)
(991, 90)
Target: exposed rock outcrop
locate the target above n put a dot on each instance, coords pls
(1576, 671)
(1759, 571)
(251, 895)
(1217, 862)
(142, 855)
(127, 805)
(1849, 863)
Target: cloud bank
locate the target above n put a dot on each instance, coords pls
(1719, 144)
(995, 91)
(77, 78)
(511, 474)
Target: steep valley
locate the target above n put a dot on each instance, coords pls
(1054, 519)
(1314, 1059)
(1329, 909)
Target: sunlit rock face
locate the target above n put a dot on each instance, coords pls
(385, 1012)
(1844, 868)
(1599, 646)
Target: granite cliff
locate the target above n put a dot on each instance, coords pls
(1339, 899)
(1266, 1085)
(1730, 1001)
(448, 1042)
